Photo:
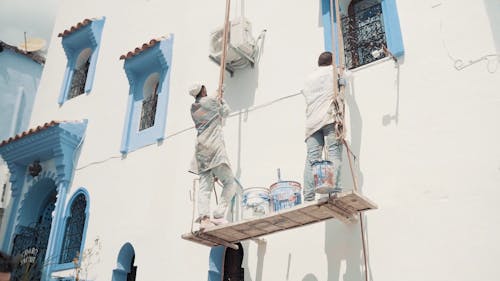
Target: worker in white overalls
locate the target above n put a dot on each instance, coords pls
(320, 123)
(211, 161)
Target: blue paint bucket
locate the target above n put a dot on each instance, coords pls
(255, 202)
(285, 194)
(324, 177)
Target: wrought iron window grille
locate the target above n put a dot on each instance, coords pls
(148, 112)
(364, 35)
(73, 233)
(79, 79)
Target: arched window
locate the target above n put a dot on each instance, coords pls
(80, 72)
(125, 268)
(74, 229)
(81, 44)
(148, 73)
(149, 102)
(364, 33)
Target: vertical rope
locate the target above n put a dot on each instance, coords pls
(193, 199)
(363, 239)
(361, 218)
(349, 153)
(339, 102)
(224, 50)
(334, 62)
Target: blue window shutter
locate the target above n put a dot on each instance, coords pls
(327, 27)
(392, 27)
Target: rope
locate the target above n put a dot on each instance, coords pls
(339, 116)
(363, 239)
(334, 62)
(341, 53)
(224, 50)
(338, 98)
(193, 198)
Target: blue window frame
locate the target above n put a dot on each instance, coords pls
(74, 230)
(81, 45)
(389, 25)
(148, 72)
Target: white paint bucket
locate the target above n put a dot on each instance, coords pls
(255, 202)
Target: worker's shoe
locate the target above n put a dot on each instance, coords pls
(219, 221)
(206, 223)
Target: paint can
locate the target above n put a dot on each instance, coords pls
(285, 194)
(324, 177)
(255, 202)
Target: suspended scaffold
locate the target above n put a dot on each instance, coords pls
(344, 206)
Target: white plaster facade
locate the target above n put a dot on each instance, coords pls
(426, 135)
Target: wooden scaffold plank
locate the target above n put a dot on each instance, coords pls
(344, 207)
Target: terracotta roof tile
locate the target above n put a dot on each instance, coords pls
(75, 27)
(143, 48)
(30, 132)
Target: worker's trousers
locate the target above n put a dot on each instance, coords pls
(225, 175)
(315, 144)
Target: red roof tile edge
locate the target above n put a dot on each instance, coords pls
(30, 132)
(143, 48)
(75, 27)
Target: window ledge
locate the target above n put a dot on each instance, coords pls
(353, 70)
(63, 267)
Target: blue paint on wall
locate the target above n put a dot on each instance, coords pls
(157, 59)
(19, 78)
(88, 36)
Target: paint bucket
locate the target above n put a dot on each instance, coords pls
(324, 178)
(285, 194)
(255, 202)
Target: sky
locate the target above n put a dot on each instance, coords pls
(36, 17)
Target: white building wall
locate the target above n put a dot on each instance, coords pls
(434, 172)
